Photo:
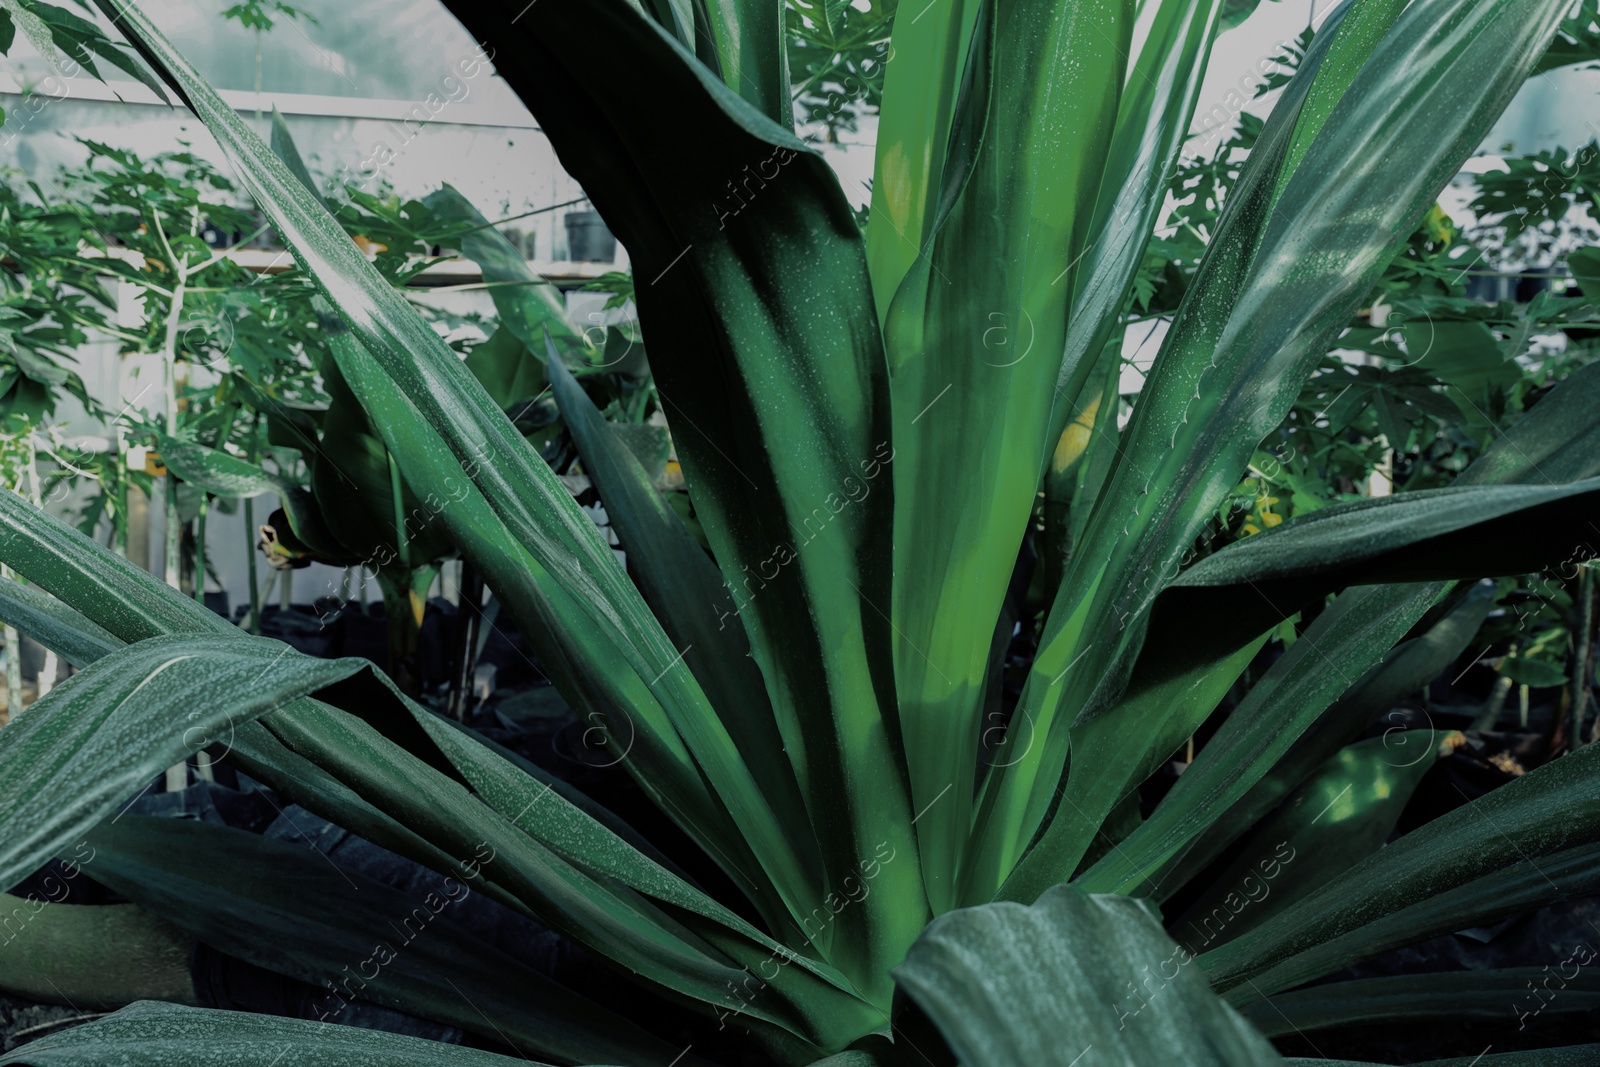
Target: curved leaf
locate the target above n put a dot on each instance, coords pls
(1069, 978)
(296, 912)
(1405, 670)
(1429, 534)
(1358, 627)
(1570, 1056)
(99, 737)
(1340, 815)
(53, 624)
(93, 580)
(149, 1034)
(216, 471)
(397, 797)
(219, 473)
(1530, 841)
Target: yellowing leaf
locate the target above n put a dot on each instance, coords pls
(1075, 438)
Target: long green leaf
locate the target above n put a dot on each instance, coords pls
(974, 337)
(821, 1002)
(1465, 531)
(1357, 628)
(217, 472)
(283, 147)
(1290, 270)
(515, 481)
(747, 39)
(575, 877)
(1323, 237)
(678, 580)
(1013, 802)
(574, 649)
(1542, 831)
(1340, 815)
(466, 519)
(1558, 441)
(753, 293)
(1153, 119)
(87, 577)
(1405, 670)
(527, 304)
(640, 731)
(1499, 995)
(1513, 889)
(556, 865)
(1429, 534)
(921, 87)
(55, 953)
(1153, 721)
(1363, 27)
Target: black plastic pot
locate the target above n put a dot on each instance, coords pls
(588, 240)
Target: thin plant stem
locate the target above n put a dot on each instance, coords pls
(13, 638)
(200, 550)
(13, 665)
(169, 359)
(250, 531)
(1495, 704)
(402, 543)
(47, 673)
(266, 594)
(1582, 665)
(258, 73)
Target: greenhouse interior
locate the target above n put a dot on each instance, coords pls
(727, 533)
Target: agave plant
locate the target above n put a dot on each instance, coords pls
(865, 423)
